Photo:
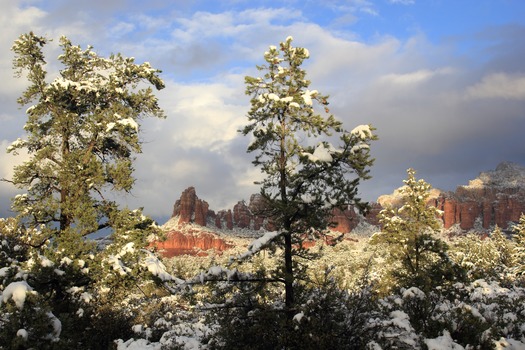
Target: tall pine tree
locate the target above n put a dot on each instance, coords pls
(311, 164)
(82, 136)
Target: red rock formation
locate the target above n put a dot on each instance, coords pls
(191, 243)
(257, 208)
(494, 198)
(491, 206)
(345, 221)
(372, 217)
(190, 209)
(224, 220)
(242, 216)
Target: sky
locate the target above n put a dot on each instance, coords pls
(443, 81)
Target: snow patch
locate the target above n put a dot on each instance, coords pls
(322, 153)
(139, 344)
(259, 243)
(443, 342)
(22, 333)
(18, 292)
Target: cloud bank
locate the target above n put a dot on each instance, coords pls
(448, 108)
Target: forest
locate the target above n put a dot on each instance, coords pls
(406, 286)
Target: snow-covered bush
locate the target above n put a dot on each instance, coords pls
(477, 256)
(518, 252)
(326, 317)
(475, 316)
(332, 318)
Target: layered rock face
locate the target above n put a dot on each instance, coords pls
(185, 239)
(190, 210)
(199, 244)
(494, 198)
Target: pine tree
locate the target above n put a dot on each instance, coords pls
(306, 176)
(82, 134)
(504, 248)
(419, 256)
(518, 253)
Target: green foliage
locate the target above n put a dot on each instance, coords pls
(82, 132)
(475, 316)
(418, 257)
(12, 251)
(518, 253)
(326, 317)
(503, 247)
(29, 326)
(306, 176)
(478, 257)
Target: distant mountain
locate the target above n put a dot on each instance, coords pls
(495, 197)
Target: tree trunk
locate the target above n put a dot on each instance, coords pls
(287, 225)
(65, 220)
(288, 273)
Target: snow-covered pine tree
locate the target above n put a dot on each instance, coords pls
(82, 134)
(504, 248)
(311, 164)
(418, 257)
(518, 252)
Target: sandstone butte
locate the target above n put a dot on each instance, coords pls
(494, 198)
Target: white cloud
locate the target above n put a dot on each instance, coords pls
(413, 78)
(413, 90)
(498, 85)
(18, 17)
(228, 24)
(7, 163)
(201, 114)
(121, 28)
(403, 2)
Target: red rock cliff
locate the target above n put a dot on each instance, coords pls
(197, 243)
(496, 197)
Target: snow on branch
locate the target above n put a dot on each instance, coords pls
(362, 131)
(258, 244)
(157, 268)
(17, 291)
(322, 153)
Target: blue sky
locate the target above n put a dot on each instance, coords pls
(442, 81)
